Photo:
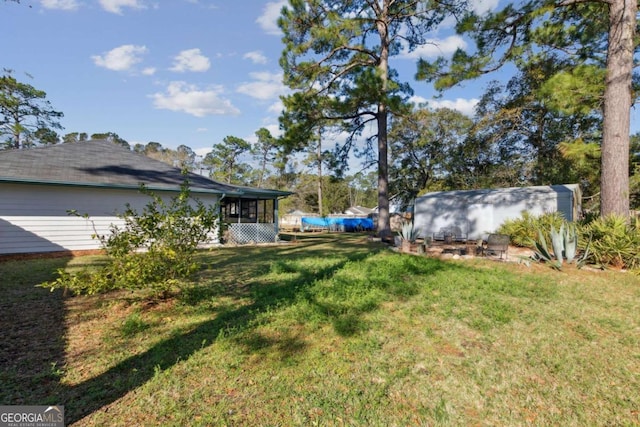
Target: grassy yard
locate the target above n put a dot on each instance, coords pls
(331, 330)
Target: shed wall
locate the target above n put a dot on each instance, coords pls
(478, 213)
(34, 218)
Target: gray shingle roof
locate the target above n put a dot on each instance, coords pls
(104, 164)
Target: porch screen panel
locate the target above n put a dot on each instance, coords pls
(265, 211)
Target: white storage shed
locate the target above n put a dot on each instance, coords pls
(477, 213)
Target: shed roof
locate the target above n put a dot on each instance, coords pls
(530, 191)
(105, 164)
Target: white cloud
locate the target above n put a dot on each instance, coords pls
(437, 47)
(201, 130)
(417, 100)
(274, 129)
(203, 151)
(116, 6)
(121, 58)
(268, 21)
(60, 4)
(190, 60)
(149, 71)
(256, 56)
(180, 96)
(198, 2)
(483, 6)
(465, 106)
(276, 108)
(266, 86)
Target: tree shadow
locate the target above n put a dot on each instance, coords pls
(32, 321)
(89, 396)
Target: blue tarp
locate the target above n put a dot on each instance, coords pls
(338, 224)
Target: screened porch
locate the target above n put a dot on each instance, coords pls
(248, 220)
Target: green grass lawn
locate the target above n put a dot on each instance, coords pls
(330, 330)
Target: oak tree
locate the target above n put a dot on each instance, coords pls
(422, 144)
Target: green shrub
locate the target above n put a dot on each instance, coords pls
(153, 250)
(523, 231)
(614, 241)
(82, 282)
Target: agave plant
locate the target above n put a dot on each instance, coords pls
(408, 232)
(570, 241)
(564, 242)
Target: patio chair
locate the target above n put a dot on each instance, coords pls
(449, 235)
(496, 243)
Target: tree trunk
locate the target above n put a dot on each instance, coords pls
(384, 223)
(614, 184)
(319, 160)
(17, 130)
(262, 171)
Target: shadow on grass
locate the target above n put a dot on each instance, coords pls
(89, 396)
(32, 321)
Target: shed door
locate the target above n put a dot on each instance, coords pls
(480, 220)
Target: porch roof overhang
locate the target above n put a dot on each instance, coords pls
(259, 193)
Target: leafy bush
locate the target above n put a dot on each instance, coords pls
(614, 241)
(524, 230)
(153, 250)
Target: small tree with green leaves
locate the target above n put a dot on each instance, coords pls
(153, 249)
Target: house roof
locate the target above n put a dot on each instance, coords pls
(359, 210)
(105, 164)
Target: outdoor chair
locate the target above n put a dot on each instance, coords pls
(450, 235)
(496, 243)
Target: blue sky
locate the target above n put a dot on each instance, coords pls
(172, 71)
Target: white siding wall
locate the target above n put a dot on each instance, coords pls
(34, 218)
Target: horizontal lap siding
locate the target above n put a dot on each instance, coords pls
(51, 233)
(34, 218)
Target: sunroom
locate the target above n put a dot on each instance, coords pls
(250, 218)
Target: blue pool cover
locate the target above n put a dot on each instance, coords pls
(338, 224)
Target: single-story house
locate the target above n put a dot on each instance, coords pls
(39, 186)
(360, 211)
(477, 213)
